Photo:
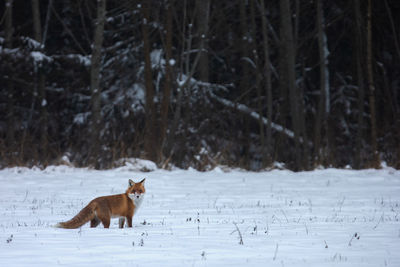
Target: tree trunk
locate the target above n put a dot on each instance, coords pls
(8, 23)
(168, 79)
(323, 103)
(303, 138)
(257, 72)
(150, 142)
(47, 22)
(41, 82)
(244, 84)
(283, 102)
(375, 154)
(203, 16)
(186, 45)
(358, 47)
(268, 86)
(289, 68)
(95, 77)
(10, 85)
(37, 32)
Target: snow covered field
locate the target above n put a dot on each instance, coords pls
(188, 218)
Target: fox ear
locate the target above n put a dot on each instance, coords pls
(142, 181)
(131, 183)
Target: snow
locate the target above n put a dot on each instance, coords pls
(33, 44)
(250, 61)
(81, 118)
(84, 60)
(183, 79)
(156, 58)
(172, 62)
(135, 95)
(326, 217)
(136, 165)
(39, 57)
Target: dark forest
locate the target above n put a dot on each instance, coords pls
(253, 84)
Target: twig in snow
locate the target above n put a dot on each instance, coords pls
(341, 204)
(276, 251)
(267, 230)
(284, 214)
(198, 223)
(380, 219)
(310, 205)
(239, 233)
(10, 239)
(356, 236)
(306, 228)
(255, 229)
(215, 202)
(26, 196)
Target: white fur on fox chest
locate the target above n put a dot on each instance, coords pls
(137, 199)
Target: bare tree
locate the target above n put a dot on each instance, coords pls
(95, 77)
(168, 79)
(244, 83)
(203, 17)
(187, 70)
(371, 87)
(258, 74)
(150, 141)
(10, 86)
(267, 74)
(323, 102)
(288, 58)
(37, 32)
(170, 62)
(358, 47)
(8, 23)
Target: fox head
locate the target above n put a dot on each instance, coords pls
(136, 191)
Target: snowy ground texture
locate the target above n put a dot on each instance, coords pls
(279, 218)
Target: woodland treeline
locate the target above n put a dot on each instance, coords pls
(197, 83)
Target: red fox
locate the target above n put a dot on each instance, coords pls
(102, 209)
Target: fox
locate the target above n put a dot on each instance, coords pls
(102, 209)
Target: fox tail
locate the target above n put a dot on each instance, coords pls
(85, 215)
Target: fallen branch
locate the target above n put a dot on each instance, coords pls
(246, 110)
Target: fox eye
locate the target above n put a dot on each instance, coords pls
(140, 191)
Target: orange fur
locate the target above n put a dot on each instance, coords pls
(102, 209)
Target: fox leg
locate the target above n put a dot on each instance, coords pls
(105, 221)
(121, 222)
(94, 222)
(104, 217)
(129, 219)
